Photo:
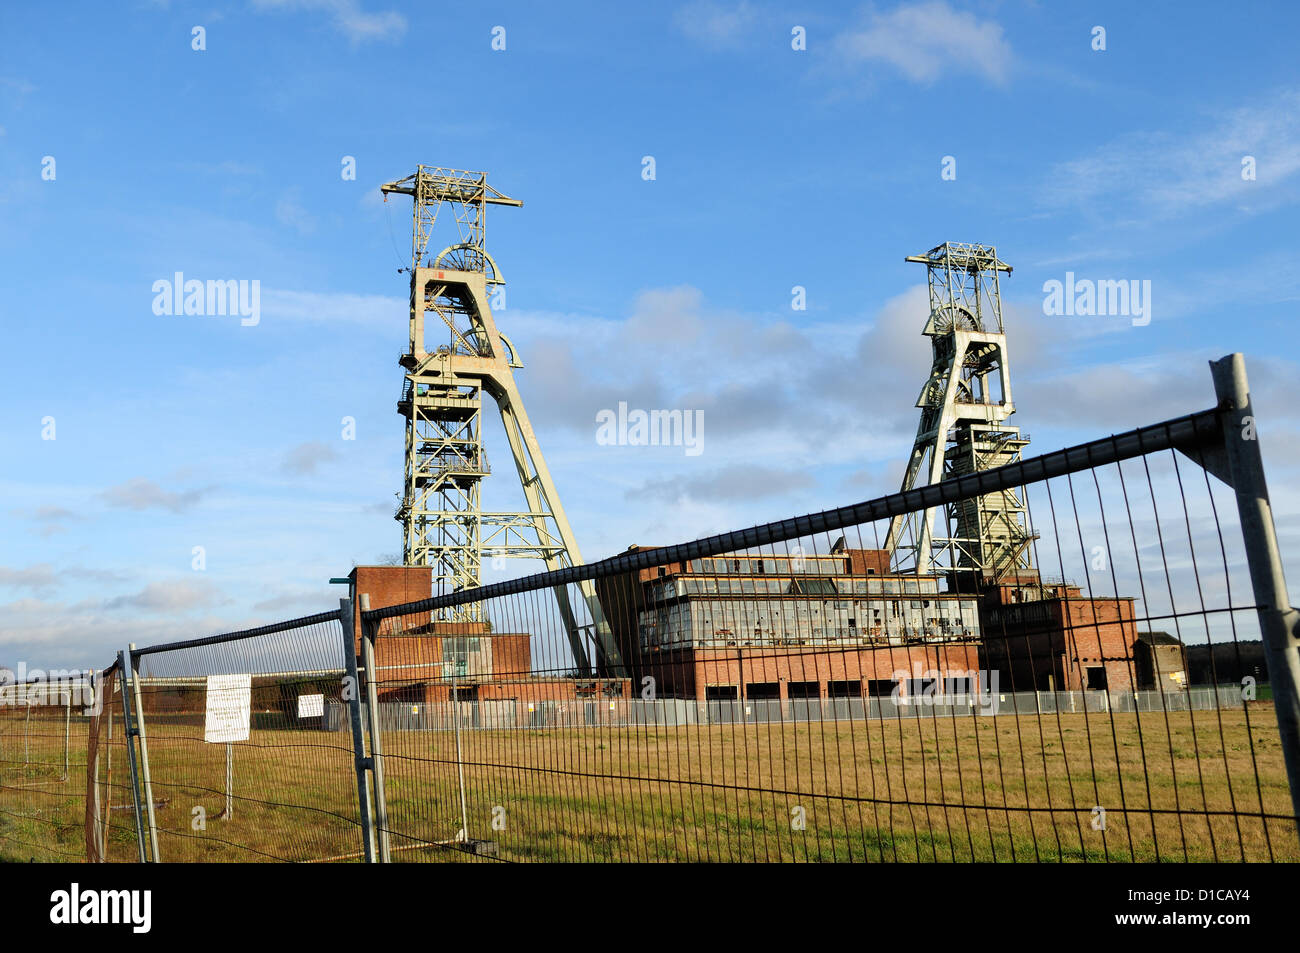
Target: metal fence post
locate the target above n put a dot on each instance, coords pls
(358, 742)
(1279, 623)
(144, 756)
(460, 762)
(376, 745)
(124, 665)
(67, 734)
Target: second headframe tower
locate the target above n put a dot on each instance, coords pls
(964, 408)
(453, 359)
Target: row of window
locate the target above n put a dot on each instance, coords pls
(845, 688)
(753, 565)
(703, 621)
(705, 585)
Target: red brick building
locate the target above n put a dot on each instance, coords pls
(1050, 637)
(741, 626)
(420, 660)
(738, 626)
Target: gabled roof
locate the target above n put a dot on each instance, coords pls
(1158, 638)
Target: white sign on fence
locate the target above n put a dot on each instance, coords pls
(230, 702)
(311, 706)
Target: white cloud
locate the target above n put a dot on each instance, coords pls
(717, 24)
(39, 578)
(290, 212)
(173, 596)
(376, 310)
(347, 17)
(1168, 174)
(927, 41)
(20, 87)
(736, 482)
(142, 494)
(303, 459)
(47, 634)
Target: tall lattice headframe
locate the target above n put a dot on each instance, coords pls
(456, 354)
(964, 406)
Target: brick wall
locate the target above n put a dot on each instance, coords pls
(1052, 643)
(863, 562)
(390, 586)
(689, 673)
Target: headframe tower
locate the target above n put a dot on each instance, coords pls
(452, 360)
(964, 407)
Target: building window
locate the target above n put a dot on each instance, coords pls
(881, 687)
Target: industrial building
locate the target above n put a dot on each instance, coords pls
(1161, 662)
(954, 589)
(1050, 637)
(422, 660)
(741, 626)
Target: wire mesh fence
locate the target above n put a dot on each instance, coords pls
(240, 762)
(784, 693)
(791, 726)
(42, 769)
(1112, 691)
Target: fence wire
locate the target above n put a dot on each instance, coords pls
(42, 771)
(798, 701)
(268, 781)
(798, 691)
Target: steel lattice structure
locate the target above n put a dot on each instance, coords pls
(964, 406)
(442, 400)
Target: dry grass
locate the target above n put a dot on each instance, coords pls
(1007, 788)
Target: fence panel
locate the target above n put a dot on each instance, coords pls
(43, 770)
(825, 706)
(243, 760)
(866, 683)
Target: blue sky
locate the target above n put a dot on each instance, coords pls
(774, 168)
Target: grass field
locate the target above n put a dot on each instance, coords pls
(1181, 786)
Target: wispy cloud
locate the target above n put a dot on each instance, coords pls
(727, 484)
(1167, 174)
(43, 577)
(19, 87)
(347, 17)
(48, 519)
(717, 24)
(927, 41)
(377, 310)
(36, 579)
(289, 211)
(177, 596)
(143, 494)
(303, 459)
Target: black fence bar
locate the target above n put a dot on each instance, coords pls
(302, 623)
